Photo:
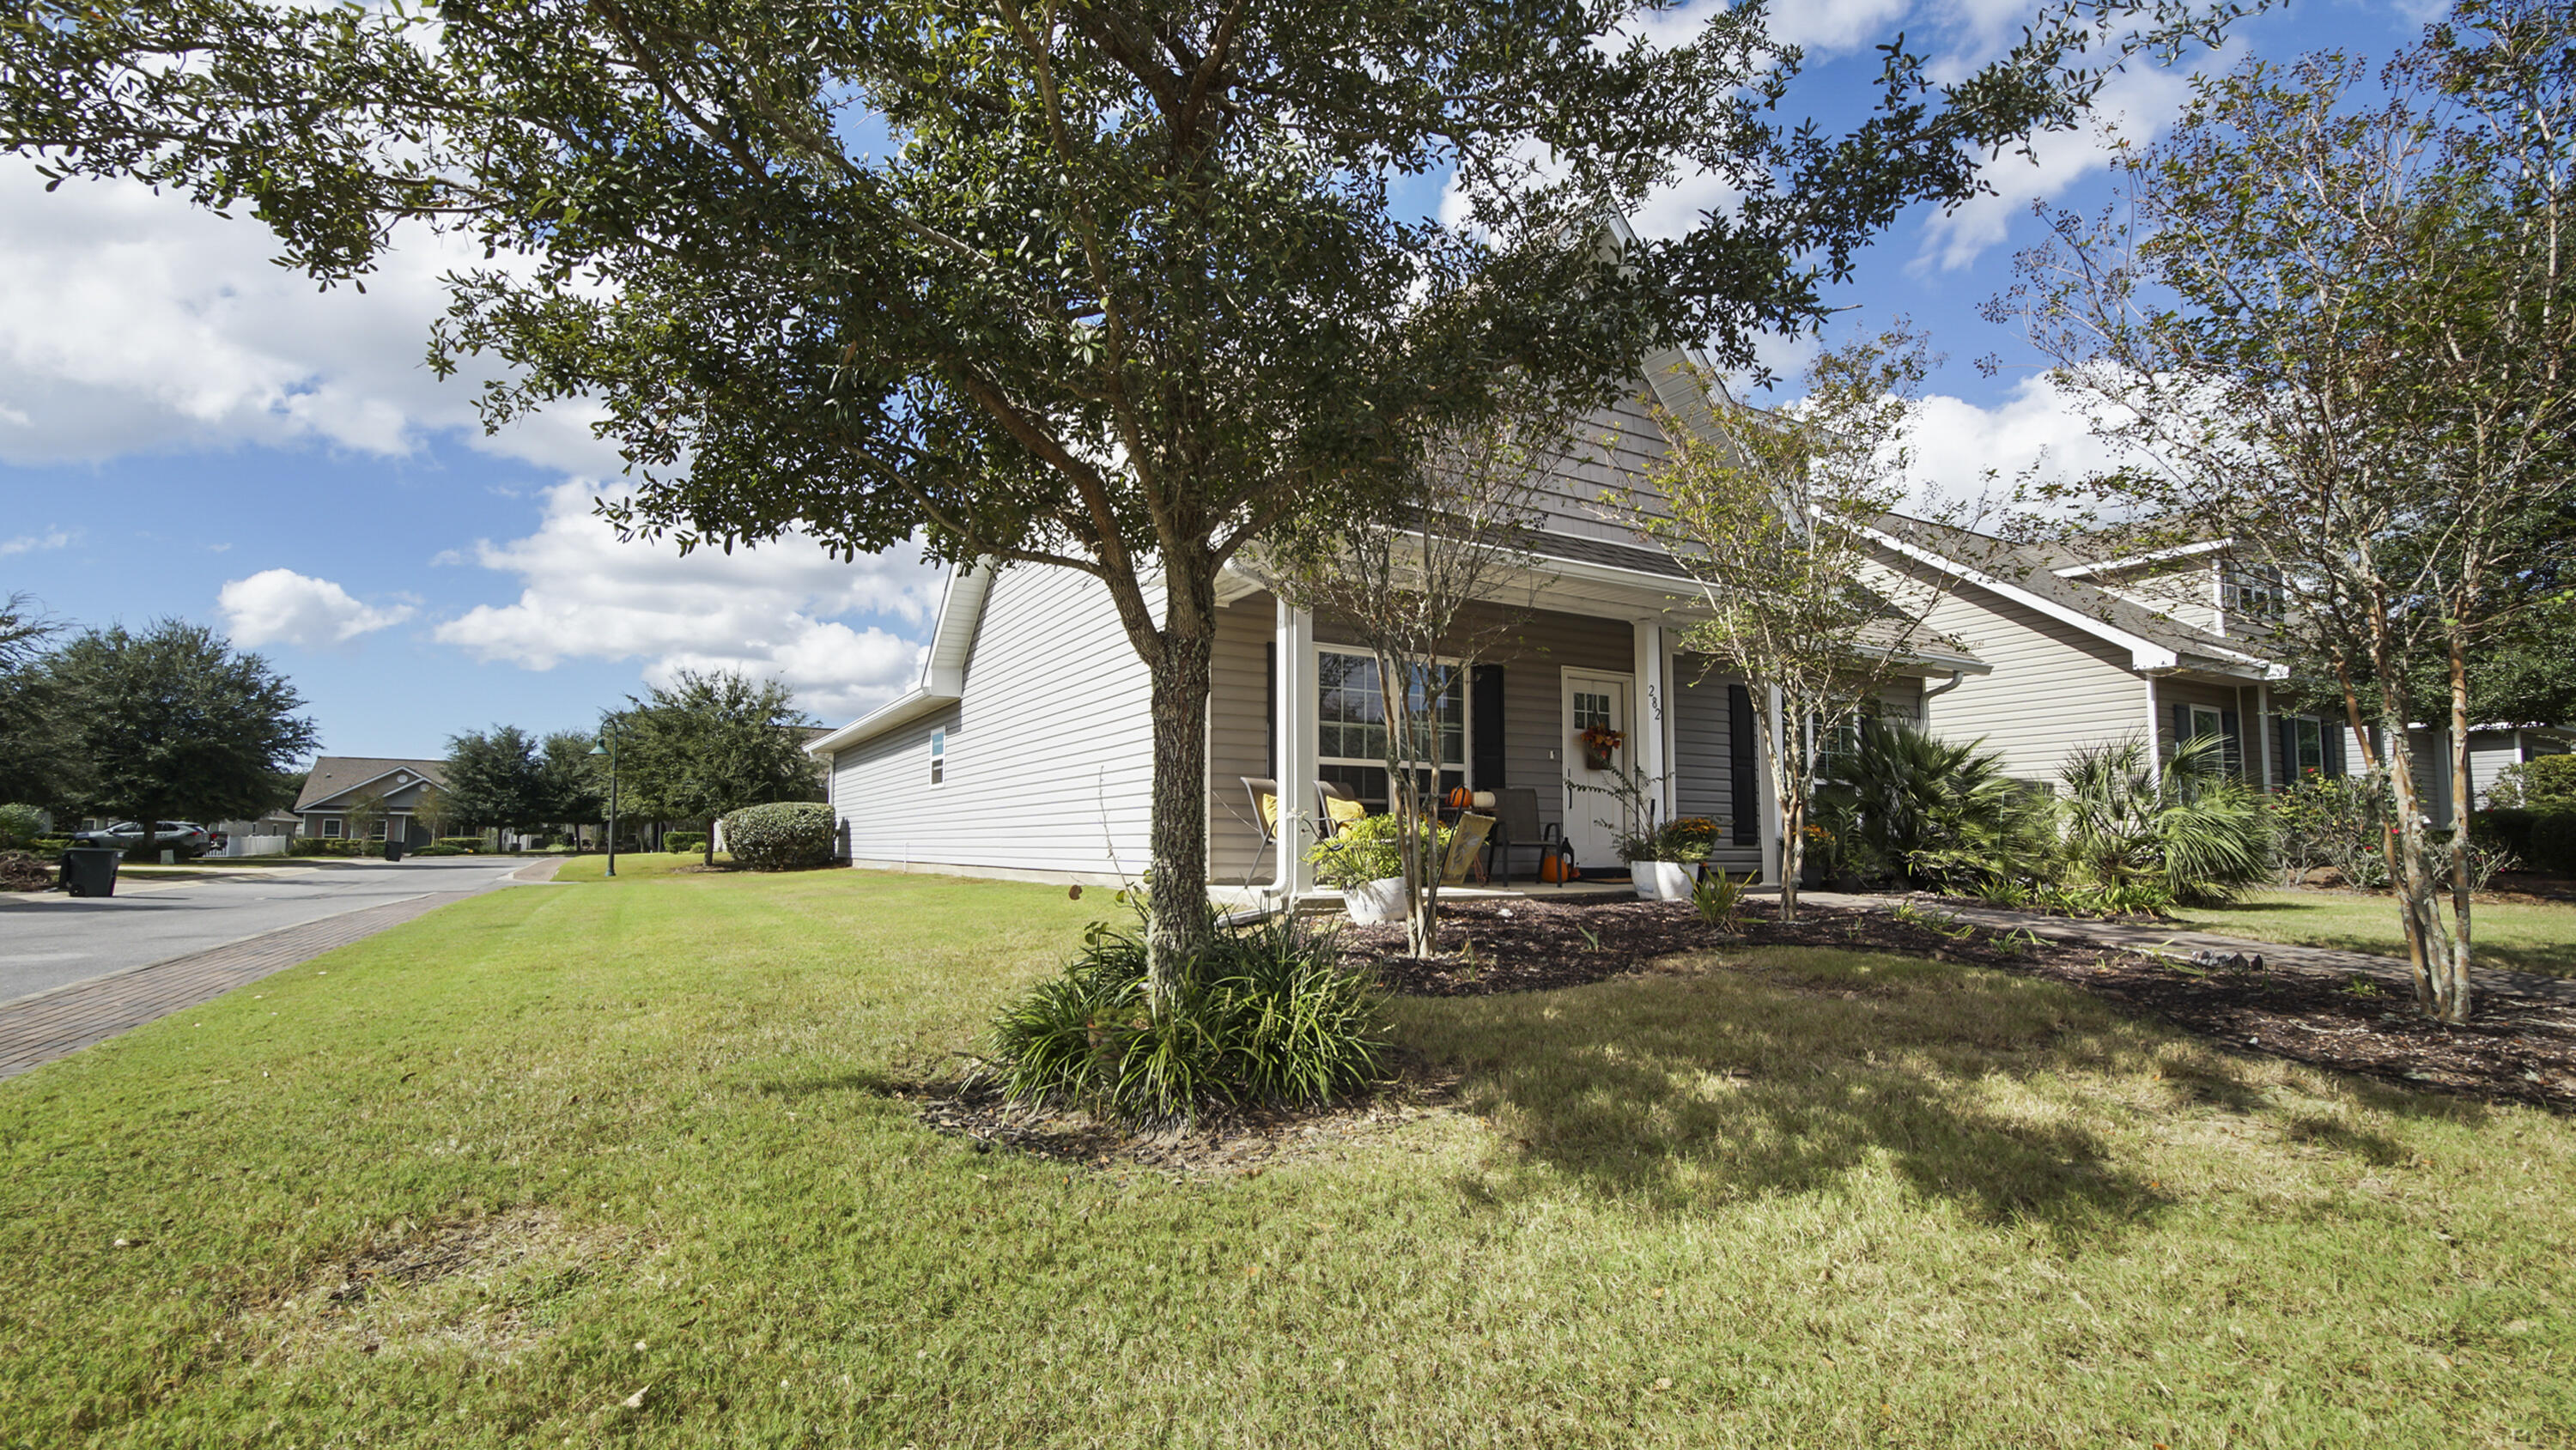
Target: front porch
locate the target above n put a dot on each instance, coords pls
(1295, 702)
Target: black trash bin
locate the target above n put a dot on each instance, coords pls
(393, 850)
(90, 871)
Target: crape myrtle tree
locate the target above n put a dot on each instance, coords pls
(1114, 287)
(2334, 323)
(1784, 521)
(175, 723)
(1440, 577)
(710, 743)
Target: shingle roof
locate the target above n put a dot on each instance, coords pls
(334, 774)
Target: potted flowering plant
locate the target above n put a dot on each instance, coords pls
(1662, 856)
(1364, 862)
(1599, 742)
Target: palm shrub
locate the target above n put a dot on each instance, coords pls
(1267, 1017)
(2181, 828)
(780, 836)
(1911, 805)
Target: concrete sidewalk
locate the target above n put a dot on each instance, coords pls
(2175, 941)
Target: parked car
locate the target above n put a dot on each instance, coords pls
(182, 837)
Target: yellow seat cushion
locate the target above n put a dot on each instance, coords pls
(1344, 811)
(1268, 805)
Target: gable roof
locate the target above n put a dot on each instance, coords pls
(338, 775)
(2029, 576)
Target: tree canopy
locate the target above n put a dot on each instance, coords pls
(496, 778)
(39, 764)
(175, 723)
(711, 743)
(1111, 286)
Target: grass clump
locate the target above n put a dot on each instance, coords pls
(1268, 1018)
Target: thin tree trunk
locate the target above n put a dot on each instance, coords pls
(1792, 810)
(709, 845)
(1178, 925)
(2456, 967)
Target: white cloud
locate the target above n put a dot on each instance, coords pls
(29, 543)
(135, 323)
(1964, 452)
(280, 606)
(773, 611)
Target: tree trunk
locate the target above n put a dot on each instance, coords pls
(710, 843)
(1792, 808)
(2463, 879)
(2428, 946)
(1178, 925)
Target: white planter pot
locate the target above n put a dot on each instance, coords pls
(1373, 903)
(1661, 880)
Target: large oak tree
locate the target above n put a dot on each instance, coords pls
(1109, 286)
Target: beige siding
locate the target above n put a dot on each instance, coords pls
(1239, 739)
(1050, 751)
(2054, 687)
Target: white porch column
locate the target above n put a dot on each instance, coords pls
(1654, 723)
(1294, 694)
(1762, 789)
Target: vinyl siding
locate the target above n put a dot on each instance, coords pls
(1239, 739)
(1612, 448)
(2054, 687)
(1050, 752)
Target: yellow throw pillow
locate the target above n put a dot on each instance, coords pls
(1268, 805)
(1344, 811)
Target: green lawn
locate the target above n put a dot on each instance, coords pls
(1811, 1198)
(2521, 936)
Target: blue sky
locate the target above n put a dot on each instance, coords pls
(187, 430)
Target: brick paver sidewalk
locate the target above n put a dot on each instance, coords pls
(2177, 942)
(36, 1030)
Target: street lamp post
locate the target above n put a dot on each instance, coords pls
(608, 746)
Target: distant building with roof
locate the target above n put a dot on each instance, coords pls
(373, 797)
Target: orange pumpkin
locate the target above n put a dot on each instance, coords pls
(1554, 868)
(1460, 797)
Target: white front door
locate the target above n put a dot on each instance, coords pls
(1592, 820)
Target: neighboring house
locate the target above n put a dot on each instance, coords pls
(339, 783)
(1025, 750)
(2174, 642)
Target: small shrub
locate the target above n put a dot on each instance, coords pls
(685, 841)
(1719, 899)
(25, 871)
(1269, 1017)
(2553, 842)
(461, 845)
(2332, 821)
(50, 846)
(2545, 784)
(20, 825)
(2138, 827)
(782, 836)
(325, 846)
(440, 851)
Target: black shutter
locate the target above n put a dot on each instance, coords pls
(1741, 805)
(2182, 725)
(2234, 729)
(2333, 734)
(1485, 709)
(2287, 759)
(1270, 707)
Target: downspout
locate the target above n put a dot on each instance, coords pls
(1945, 687)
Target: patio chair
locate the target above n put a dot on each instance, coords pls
(1334, 809)
(1264, 795)
(1518, 828)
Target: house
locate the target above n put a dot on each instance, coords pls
(1024, 751)
(371, 797)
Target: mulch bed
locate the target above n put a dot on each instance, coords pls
(2516, 1050)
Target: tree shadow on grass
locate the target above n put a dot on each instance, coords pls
(1788, 1072)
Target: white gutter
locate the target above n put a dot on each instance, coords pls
(2156, 556)
(943, 664)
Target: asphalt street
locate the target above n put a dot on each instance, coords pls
(49, 940)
